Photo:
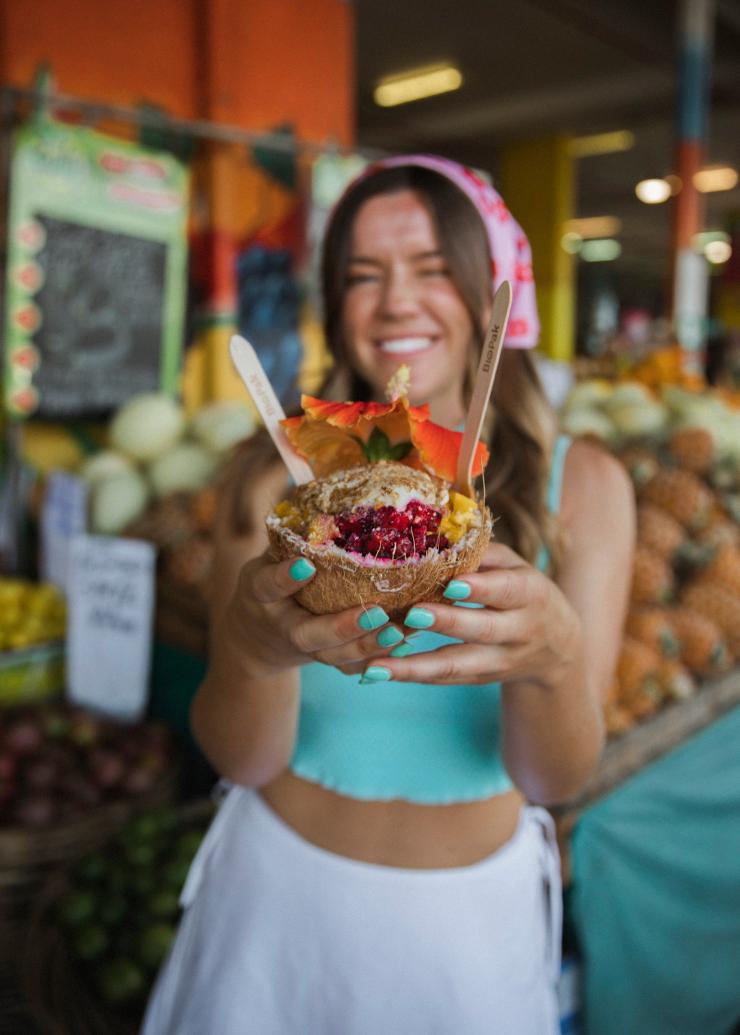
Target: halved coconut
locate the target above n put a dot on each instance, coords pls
(381, 533)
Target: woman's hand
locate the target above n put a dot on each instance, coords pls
(277, 633)
(526, 629)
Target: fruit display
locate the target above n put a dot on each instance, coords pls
(381, 522)
(150, 449)
(106, 924)
(631, 412)
(683, 625)
(59, 763)
(30, 613)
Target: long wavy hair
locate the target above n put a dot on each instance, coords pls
(520, 425)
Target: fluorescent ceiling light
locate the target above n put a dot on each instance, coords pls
(571, 243)
(718, 177)
(653, 192)
(601, 251)
(717, 252)
(601, 143)
(413, 86)
(593, 226)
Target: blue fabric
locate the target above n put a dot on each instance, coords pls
(417, 741)
(655, 898)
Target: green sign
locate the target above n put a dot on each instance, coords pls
(96, 272)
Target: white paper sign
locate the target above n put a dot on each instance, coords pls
(109, 637)
(63, 518)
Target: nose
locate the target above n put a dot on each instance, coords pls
(399, 297)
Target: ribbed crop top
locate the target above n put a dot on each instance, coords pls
(420, 742)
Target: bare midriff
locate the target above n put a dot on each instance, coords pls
(395, 833)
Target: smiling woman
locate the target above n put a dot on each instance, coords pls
(384, 818)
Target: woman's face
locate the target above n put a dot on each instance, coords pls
(401, 305)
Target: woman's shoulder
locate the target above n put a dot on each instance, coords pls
(595, 485)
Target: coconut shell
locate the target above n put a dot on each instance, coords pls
(341, 582)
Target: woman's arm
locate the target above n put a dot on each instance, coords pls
(245, 712)
(553, 725)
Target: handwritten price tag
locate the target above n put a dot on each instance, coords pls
(109, 638)
(63, 517)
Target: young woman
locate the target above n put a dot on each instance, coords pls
(382, 863)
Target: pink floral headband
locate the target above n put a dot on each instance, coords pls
(512, 255)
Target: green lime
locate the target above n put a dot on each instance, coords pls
(154, 944)
(175, 873)
(76, 908)
(90, 942)
(121, 980)
(164, 903)
(113, 910)
(141, 853)
(188, 843)
(117, 879)
(92, 868)
(144, 882)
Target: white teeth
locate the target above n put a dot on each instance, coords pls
(399, 346)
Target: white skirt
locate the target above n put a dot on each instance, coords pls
(280, 937)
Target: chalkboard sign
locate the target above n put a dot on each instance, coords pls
(95, 275)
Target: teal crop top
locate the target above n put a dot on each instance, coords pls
(416, 741)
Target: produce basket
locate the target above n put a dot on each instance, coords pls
(32, 673)
(68, 780)
(65, 988)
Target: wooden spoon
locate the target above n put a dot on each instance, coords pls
(255, 380)
(489, 360)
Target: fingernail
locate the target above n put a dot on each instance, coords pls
(372, 619)
(419, 618)
(402, 650)
(457, 590)
(300, 569)
(376, 674)
(389, 637)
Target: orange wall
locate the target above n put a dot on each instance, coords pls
(252, 63)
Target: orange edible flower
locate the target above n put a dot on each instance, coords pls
(330, 435)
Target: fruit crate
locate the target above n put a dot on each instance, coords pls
(31, 673)
(58, 992)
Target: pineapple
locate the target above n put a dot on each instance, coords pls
(166, 524)
(652, 578)
(724, 568)
(638, 676)
(652, 626)
(191, 563)
(719, 604)
(692, 449)
(676, 682)
(720, 530)
(683, 495)
(203, 508)
(617, 719)
(658, 531)
(641, 464)
(703, 647)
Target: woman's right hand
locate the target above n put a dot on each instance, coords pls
(277, 633)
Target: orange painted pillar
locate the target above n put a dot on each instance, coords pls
(252, 64)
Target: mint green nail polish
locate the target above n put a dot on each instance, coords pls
(375, 674)
(402, 650)
(372, 619)
(419, 618)
(389, 637)
(457, 590)
(300, 569)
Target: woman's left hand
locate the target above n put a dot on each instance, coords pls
(526, 630)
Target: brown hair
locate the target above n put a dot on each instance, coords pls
(519, 428)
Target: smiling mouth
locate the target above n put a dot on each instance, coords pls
(405, 346)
